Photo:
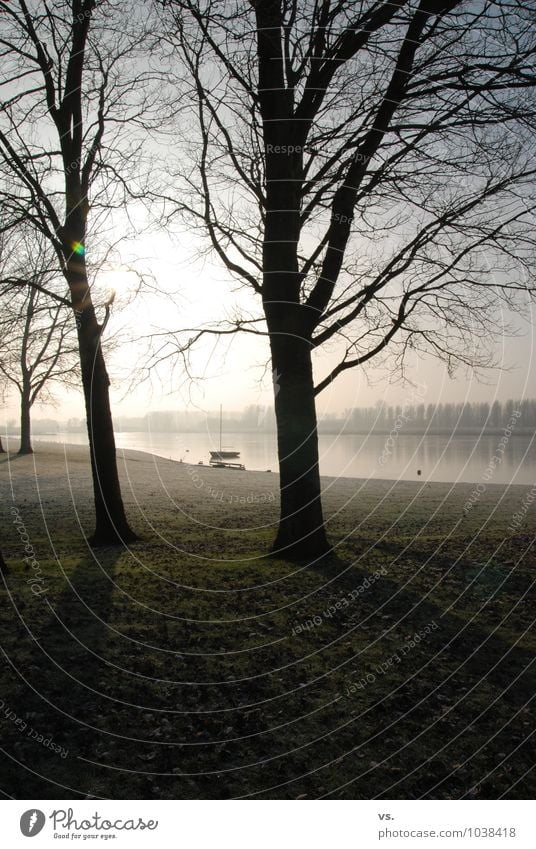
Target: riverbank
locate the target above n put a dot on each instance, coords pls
(56, 480)
(190, 666)
(397, 456)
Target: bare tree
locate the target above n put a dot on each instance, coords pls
(367, 170)
(76, 87)
(38, 351)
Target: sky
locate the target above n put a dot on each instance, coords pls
(235, 371)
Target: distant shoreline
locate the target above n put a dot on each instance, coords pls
(74, 449)
(322, 431)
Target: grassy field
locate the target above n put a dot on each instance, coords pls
(192, 666)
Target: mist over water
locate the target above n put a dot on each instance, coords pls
(438, 457)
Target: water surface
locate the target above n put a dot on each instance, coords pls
(439, 458)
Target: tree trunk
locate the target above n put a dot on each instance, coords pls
(2, 449)
(3, 565)
(111, 526)
(25, 423)
(301, 534)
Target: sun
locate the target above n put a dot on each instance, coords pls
(119, 277)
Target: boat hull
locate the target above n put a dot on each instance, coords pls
(224, 455)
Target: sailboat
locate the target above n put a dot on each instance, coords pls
(223, 453)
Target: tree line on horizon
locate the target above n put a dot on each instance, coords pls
(475, 416)
(449, 417)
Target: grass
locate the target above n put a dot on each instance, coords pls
(193, 667)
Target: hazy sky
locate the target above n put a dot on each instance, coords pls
(233, 371)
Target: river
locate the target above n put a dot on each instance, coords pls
(439, 458)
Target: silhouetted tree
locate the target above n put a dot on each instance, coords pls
(37, 334)
(345, 167)
(75, 91)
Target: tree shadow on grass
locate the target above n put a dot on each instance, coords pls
(465, 678)
(406, 722)
(53, 669)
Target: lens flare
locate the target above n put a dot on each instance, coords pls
(78, 248)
